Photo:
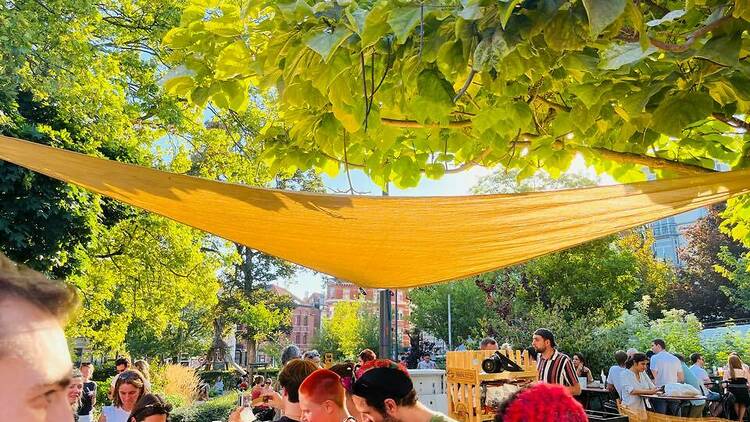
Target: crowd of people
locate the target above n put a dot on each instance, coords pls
(34, 354)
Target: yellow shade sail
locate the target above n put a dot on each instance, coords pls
(388, 242)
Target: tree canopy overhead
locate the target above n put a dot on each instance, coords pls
(406, 88)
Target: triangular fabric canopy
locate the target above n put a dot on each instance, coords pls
(386, 242)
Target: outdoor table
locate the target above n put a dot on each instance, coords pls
(680, 399)
(588, 394)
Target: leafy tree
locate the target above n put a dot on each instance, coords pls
(82, 76)
(701, 288)
(402, 89)
(735, 268)
(190, 333)
(352, 327)
(430, 309)
(611, 273)
(605, 273)
(142, 276)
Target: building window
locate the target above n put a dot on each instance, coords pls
(304, 338)
(296, 320)
(305, 323)
(296, 338)
(665, 227)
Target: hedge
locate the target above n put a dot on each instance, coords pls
(217, 409)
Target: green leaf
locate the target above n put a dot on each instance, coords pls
(619, 55)
(669, 17)
(296, 10)
(191, 14)
(179, 86)
(375, 25)
(327, 41)
(403, 20)
(357, 20)
(741, 9)
(178, 38)
(490, 51)
(471, 12)
(723, 50)
(434, 171)
(233, 61)
(678, 111)
(434, 101)
(505, 10)
(636, 17)
(565, 32)
(602, 13)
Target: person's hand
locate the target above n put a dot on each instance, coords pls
(235, 415)
(272, 397)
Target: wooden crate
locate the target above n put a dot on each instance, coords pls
(465, 379)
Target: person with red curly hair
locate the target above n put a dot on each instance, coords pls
(384, 392)
(322, 398)
(542, 403)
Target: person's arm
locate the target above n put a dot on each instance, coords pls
(629, 386)
(569, 375)
(589, 377)
(681, 376)
(102, 418)
(93, 396)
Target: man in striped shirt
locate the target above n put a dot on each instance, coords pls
(554, 367)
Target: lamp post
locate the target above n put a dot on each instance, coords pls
(450, 333)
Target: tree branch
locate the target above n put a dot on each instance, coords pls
(463, 89)
(414, 124)
(631, 35)
(626, 157)
(732, 121)
(552, 103)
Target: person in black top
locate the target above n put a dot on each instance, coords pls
(88, 396)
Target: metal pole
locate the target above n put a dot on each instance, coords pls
(397, 340)
(385, 324)
(450, 334)
(386, 329)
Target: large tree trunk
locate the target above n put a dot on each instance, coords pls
(250, 347)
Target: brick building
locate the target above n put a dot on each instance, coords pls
(305, 317)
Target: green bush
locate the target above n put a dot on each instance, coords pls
(175, 400)
(104, 371)
(230, 378)
(102, 389)
(217, 409)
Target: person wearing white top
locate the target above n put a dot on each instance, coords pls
(613, 376)
(667, 369)
(634, 382)
(130, 387)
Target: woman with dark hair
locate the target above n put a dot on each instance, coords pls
(634, 383)
(150, 408)
(129, 388)
(579, 363)
(365, 356)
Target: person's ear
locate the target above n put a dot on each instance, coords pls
(390, 406)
